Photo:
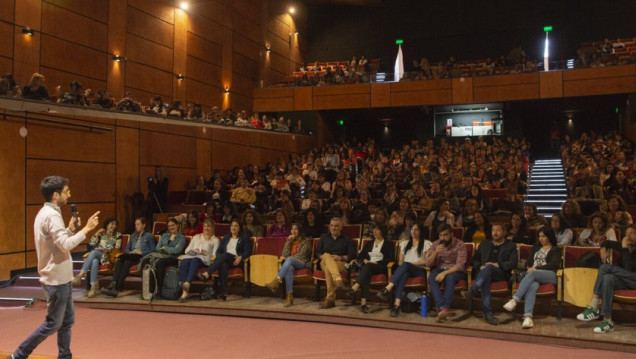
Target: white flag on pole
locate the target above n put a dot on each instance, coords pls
(399, 65)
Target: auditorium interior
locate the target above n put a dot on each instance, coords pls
(419, 101)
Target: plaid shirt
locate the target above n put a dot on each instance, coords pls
(454, 256)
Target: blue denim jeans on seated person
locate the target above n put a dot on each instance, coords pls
(610, 278)
(484, 278)
(188, 269)
(92, 262)
(59, 318)
(405, 271)
(529, 286)
(444, 300)
(286, 272)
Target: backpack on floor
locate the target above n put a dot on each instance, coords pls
(148, 282)
(170, 289)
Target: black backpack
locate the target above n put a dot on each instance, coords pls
(170, 289)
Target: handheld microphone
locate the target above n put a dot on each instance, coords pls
(74, 210)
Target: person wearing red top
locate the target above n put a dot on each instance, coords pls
(192, 224)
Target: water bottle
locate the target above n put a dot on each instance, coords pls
(424, 306)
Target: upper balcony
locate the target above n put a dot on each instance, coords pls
(497, 88)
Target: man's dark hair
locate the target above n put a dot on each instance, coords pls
(52, 184)
(445, 227)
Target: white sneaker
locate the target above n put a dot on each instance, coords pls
(511, 305)
(527, 323)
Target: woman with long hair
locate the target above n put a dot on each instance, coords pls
(479, 230)
(297, 255)
(201, 248)
(598, 230)
(561, 229)
(518, 229)
(542, 264)
(252, 223)
(411, 261)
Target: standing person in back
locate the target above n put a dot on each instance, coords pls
(54, 243)
(334, 250)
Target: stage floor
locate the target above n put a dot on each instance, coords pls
(547, 331)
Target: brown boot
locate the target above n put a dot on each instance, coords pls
(273, 285)
(78, 278)
(327, 304)
(93, 291)
(289, 300)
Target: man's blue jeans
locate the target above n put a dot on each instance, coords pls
(482, 283)
(59, 318)
(444, 300)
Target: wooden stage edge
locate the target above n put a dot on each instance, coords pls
(462, 325)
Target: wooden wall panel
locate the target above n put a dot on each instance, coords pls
(601, 86)
(94, 9)
(245, 46)
(149, 27)
(31, 259)
(168, 127)
(380, 95)
(282, 92)
(600, 72)
(205, 50)
(6, 41)
(243, 86)
(26, 54)
(12, 149)
(153, 81)
(278, 45)
(303, 98)
(127, 171)
(205, 94)
(551, 84)
(278, 26)
(246, 67)
(204, 158)
(148, 53)
(89, 182)
(506, 93)
(341, 101)
(9, 262)
(6, 65)
(203, 27)
(116, 71)
(204, 72)
(66, 56)
(342, 90)
(160, 9)
(512, 79)
(273, 104)
(81, 144)
(249, 29)
(414, 98)
(167, 150)
(212, 10)
(463, 90)
(55, 77)
(276, 141)
(7, 12)
(78, 28)
(225, 156)
(248, 10)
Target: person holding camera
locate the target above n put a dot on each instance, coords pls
(53, 244)
(158, 191)
(447, 258)
(372, 260)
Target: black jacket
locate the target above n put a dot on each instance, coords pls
(507, 258)
(387, 252)
(553, 259)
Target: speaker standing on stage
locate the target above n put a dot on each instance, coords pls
(53, 243)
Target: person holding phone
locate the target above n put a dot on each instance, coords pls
(53, 244)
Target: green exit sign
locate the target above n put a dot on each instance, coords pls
(547, 28)
(399, 42)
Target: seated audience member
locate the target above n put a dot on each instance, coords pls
(104, 99)
(281, 227)
(571, 211)
(621, 187)
(542, 264)
(610, 278)
(587, 188)
(140, 244)
(372, 260)
(598, 230)
(128, 103)
(479, 230)
(467, 217)
(297, 255)
(242, 197)
(312, 223)
(106, 241)
(493, 262)
(170, 246)
(617, 212)
(197, 254)
(196, 113)
(534, 220)
(157, 107)
(74, 96)
(447, 258)
(8, 87)
(561, 230)
(442, 215)
(252, 224)
(226, 213)
(411, 261)
(192, 226)
(405, 231)
(334, 250)
(232, 251)
(36, 90)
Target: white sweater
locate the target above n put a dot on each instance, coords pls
(53, 244)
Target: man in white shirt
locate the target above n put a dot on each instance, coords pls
(53, 244)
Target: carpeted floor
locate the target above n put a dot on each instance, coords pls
(102, 333)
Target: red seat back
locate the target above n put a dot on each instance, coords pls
(572, 253)
(352, 230)
(221, 229)
(270, 245)
(159, 227)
